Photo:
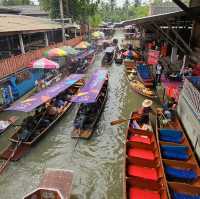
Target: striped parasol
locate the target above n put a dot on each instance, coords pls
(55, 52)
(44, 63)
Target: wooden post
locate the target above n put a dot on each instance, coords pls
(62, 18)
(46, 39)
(75, 33)
(21, 44)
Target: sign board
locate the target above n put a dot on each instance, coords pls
(153, 56)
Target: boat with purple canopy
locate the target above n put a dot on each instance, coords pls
(92, 99)
(85, 59)
(35, 126)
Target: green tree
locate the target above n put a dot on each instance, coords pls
(95, 21)
(77, 9)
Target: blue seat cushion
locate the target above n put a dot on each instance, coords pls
(175, 152)
(170, 135)
(185, 175)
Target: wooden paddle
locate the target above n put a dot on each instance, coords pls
(120, 121)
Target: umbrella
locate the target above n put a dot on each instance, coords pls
(83, 45)
(44, 63)
(133, 53)
(55, 52)
(69, 50)
(98, 34)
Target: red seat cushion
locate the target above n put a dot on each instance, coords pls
(141, 153)
(137, 193)
(140, 138)
(143, 172)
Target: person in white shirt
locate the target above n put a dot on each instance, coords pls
(159, 70)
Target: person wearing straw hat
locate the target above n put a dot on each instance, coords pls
(145, 110)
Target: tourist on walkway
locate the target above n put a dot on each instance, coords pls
(159, 70)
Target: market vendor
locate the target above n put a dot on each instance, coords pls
(144, 111)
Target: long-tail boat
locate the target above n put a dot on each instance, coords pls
(141, 89)
(138, 86)
(144, 75)
(56, 184)
(129, 64)
(21, 142)
(92, 99)
(144, 176)
(109, 56)
(181, 166)
(88, 55)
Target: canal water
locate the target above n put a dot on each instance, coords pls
(97, 163)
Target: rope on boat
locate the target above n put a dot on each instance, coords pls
(5, 164)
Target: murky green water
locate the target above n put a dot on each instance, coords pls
(97, 163)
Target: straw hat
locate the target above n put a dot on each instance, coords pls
(147, 103)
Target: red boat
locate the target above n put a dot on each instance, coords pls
(143, 172)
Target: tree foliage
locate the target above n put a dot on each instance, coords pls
(77, 9)
(127, 11)
(95, 21)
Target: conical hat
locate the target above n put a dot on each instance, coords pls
(147, 103)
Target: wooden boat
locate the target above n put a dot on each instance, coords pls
(143, 172)
(56, 184)
(144, 75)
(173, 136)
(129, 64)
(19, 147)
(180, 164)
(90, 111)
(139, 88)
(182, 190)
(109, 56)
(5, 124)
(86, 59)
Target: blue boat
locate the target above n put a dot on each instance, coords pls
(16, 85)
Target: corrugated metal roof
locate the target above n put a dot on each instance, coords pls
(31, 10)
(159, 17)
(162, 8)
(20, 23)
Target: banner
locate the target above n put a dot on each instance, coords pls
(153, 56)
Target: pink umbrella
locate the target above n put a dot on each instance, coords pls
(133, 53)
(44, 63)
